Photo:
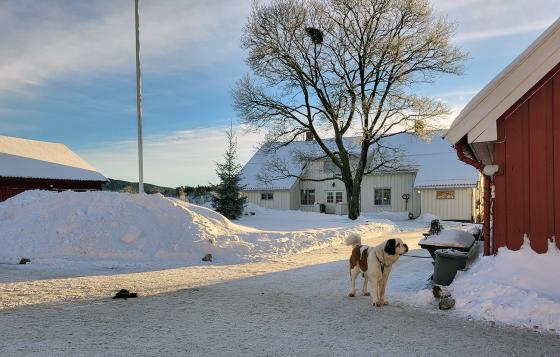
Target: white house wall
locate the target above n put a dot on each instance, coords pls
(280, 201)
(459, 208)
(400, 184)
(315, 171)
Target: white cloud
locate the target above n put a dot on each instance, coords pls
(179, 158)
(483, 19)
(50, 40)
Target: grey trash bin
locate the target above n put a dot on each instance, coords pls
(448, 261)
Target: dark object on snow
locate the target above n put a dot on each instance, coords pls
(446, 303)
(448, 261)
(410, 215)
(315, 34)
(125, 294)
(24, 260)
(435, 228)
(439, 292)
(322, 208)
(207, 258)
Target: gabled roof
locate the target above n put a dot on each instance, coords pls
(436, 163)
(24, 158)
(478, 118)
(289, 156)
(436, 160)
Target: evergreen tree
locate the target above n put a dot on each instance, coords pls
(227, 199)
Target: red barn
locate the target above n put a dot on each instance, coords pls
(30, 165)
(511, 132)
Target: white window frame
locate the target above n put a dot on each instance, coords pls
(383, 190)
(267, 196)
(335, 196)
(305, 196)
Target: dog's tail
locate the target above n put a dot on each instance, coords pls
(354, 239)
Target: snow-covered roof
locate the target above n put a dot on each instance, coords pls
(445, 183)
(436, 163)
(478, 118)
(25, 158)
(289, 156)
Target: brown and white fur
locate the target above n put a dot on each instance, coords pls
(375, 263)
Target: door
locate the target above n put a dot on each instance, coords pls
(333, 197)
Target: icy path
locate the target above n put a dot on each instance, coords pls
(297, 306)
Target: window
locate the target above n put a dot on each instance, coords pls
(267, 196)
(445, 195)
(334, 196)
(307, 197)
(382, 197)
(338, 197)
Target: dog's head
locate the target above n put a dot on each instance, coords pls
(395, 246)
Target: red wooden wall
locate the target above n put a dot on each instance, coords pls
(527, 199)
(10, 187)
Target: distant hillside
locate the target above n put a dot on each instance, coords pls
(132, 187)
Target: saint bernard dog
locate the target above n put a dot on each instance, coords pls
(375, 264)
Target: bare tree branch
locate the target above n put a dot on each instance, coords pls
(334, 68)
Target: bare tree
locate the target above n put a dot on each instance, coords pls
(340, 68)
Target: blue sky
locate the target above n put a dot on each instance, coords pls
(67, 74)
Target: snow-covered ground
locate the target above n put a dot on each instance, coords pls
(294, 307)
(514, 287)
(85, 246)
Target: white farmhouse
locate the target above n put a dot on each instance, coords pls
(430, 180)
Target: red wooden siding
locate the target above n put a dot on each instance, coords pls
(528, 183)
(10, 187)
(556, 154)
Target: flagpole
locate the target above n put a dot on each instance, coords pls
(139, 103)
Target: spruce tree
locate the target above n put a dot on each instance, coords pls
(227, 198)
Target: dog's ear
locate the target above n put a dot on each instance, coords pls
(390, 246)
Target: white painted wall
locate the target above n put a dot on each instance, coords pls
(421, 201)
(280, 201)
(315, 171)
(459, 208)
(400, 183)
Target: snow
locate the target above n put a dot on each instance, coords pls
(437, 161)
(127, 228)
(514, 287)
(85, 246)
(40, 159)
(294, 306)
(446, 183)
(449, 238)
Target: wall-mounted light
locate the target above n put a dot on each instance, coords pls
(333, 184)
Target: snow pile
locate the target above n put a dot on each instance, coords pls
(449, 238)
(123, 227)
(514, 287)
(392, 216)
(289, 220)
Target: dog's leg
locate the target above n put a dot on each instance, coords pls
(353, 275)
(384, 285)
(374, 289)
(364, 287)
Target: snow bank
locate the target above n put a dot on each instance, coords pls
(514, 287)
(449, 238)
(123, 227)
